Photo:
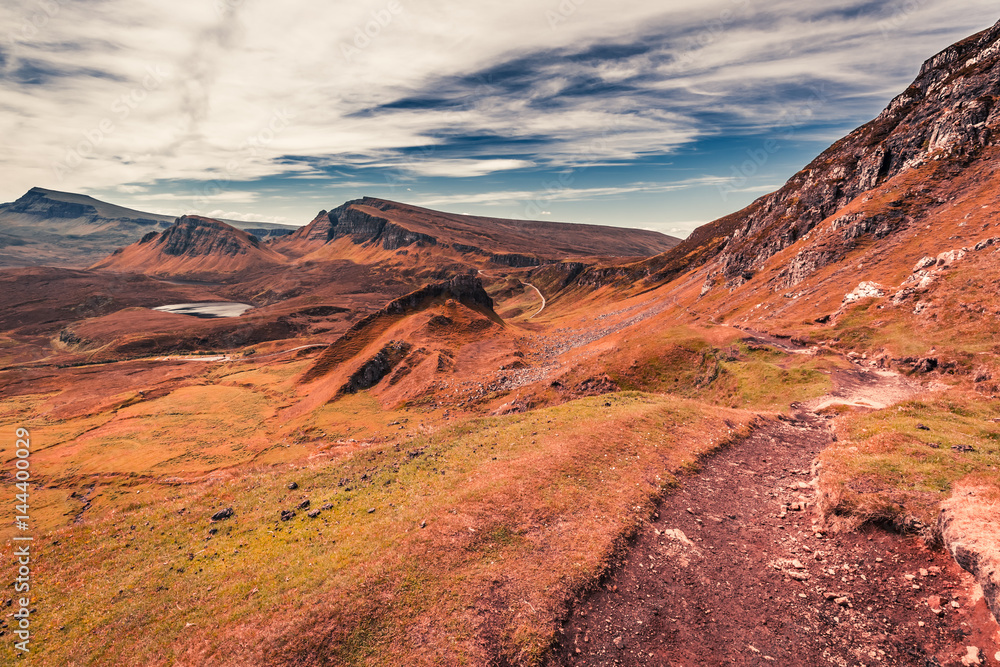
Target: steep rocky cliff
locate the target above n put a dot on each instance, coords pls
(947, 118)
(192, 246)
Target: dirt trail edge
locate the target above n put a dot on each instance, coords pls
(734, 570)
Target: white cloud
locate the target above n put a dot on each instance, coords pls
(136, 91)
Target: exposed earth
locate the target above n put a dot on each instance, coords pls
(736, 569)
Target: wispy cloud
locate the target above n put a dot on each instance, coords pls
(128, 94)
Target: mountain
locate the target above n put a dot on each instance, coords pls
(516, 243)
(193, 247)
(942, 126)
(517, 443)
(47, 227)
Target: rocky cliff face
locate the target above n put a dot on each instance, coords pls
(68, 229)
(193, 246)
(465, 289)
(194, 236)
(948, 116)
(512, 243)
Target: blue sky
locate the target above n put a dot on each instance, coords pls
(662, 115)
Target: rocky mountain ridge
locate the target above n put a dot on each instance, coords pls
(944, 121)
(51, 228)
(393, 226)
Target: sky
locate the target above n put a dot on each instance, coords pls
(655, 114)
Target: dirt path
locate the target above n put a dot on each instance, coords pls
(540, 296)
(733, 572)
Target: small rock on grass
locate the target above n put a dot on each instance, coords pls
(287, 515)
(304, 504)
(328, 506)
(312, 514)
(222, 514)
(292, 486)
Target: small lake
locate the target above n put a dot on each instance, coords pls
(207, 309)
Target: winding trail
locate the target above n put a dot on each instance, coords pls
(734, 570)
(540, 296)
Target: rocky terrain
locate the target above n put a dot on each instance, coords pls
(50, 228)
(429, 438)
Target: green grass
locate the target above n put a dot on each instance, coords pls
(683, 361)
(521, 512)
(884, 468)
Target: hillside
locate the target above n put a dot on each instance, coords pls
(437, 439)
(51, 228)
(193, 247)
(943, 124)
(515, 243)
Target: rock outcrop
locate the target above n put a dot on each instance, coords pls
(949, 116)
(193, 245)
(970, 528)
(46, 227)
(465, 289)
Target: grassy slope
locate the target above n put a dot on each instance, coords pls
(522, 511)
(886, 468)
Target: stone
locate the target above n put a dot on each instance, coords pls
(222, 514)
(934, 602)
(973, 656)
(799, 576)
(328, 506)
(618, 642)
(304, 504)
(292, 486)
(312, 514)
(287, 515)
(970, 528)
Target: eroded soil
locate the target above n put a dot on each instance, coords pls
(734, 570)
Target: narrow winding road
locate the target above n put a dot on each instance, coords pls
(540, 296)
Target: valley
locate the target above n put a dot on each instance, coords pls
(396, 435)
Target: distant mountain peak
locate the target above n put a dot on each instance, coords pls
(193, 245)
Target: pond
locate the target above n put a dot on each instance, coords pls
(207, 309)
